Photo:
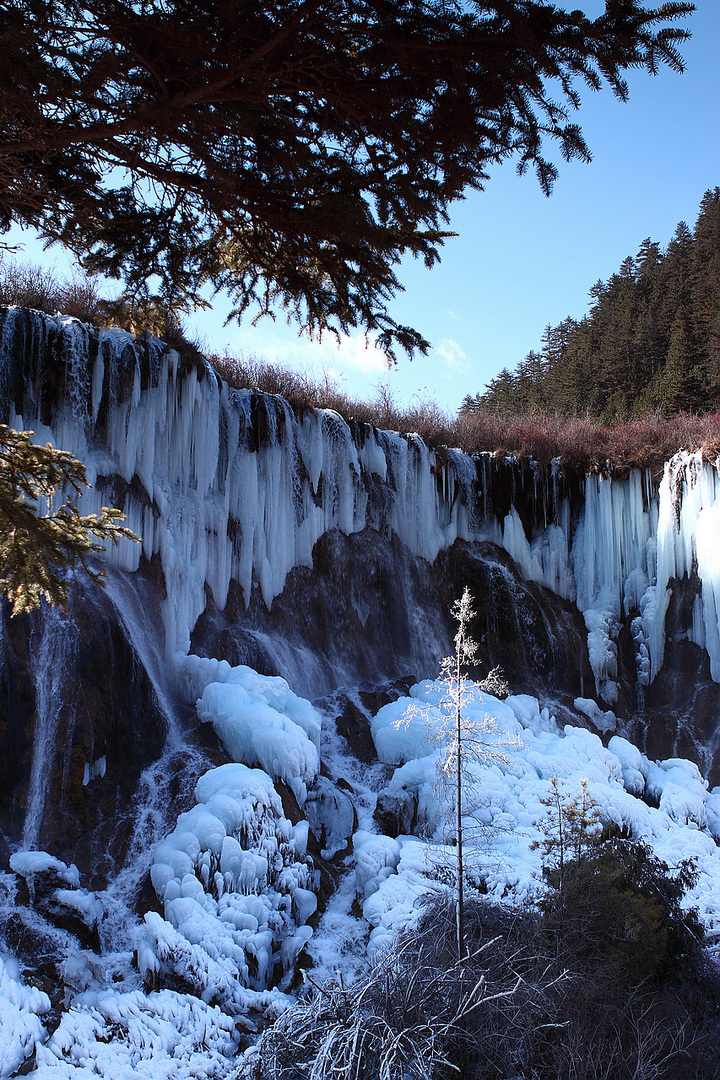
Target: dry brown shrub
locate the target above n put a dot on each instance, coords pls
(31, 286)
(577, 442)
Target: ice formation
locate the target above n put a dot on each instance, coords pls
(132, 1034)
(21, 1010)
(236, 889)
(231, 485)
(233, 877)
(258, 719)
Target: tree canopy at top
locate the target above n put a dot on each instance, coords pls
(290, 151)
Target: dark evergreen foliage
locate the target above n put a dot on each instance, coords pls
(651, 341)
(290, 152)
(618, 906)
(39, 539)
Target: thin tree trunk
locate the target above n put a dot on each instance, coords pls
(460, 910)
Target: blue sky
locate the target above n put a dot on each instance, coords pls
(520, 260)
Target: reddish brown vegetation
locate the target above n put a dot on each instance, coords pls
(584, 443)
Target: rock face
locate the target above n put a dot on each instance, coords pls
(81, 722)
(329, 553)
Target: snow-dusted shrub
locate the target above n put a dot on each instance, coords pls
(419, 1014)
(513, 1009)
(618, 905)
(610, 899)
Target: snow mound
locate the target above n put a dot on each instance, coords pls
(21, 1006)
(664, 803)
(258, 718)
(28, 863)
(134, 1035)
(235, 885)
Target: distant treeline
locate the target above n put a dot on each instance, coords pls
(651, 341)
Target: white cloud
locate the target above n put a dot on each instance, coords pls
(454, 358)
(356, 351)
(299, 351)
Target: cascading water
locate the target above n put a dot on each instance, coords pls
(52, 667)
(232, 492)
(230, 488)
(132, 600)
(180, 762)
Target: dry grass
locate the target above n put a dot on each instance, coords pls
(513, 1008)
(305, 391)
(646, 442)
(27, 285)
(84, 297)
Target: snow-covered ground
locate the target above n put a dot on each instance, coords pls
(665, 803)
(238, 890)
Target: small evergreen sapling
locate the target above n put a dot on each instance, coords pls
(571, 826)
(463, 737)
(611, 902)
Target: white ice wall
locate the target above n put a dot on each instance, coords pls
(213, 509)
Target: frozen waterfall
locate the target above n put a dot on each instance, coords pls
(225, 485)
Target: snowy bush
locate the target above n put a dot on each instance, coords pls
(512, 1009)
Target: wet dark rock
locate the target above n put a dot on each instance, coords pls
(68, 919)
(17, 707)
(147, 899)
(290, 805)
(374, 700)
(396, 812)
(34, 888)
(332, 817)
(28, 1066)
(678, 715)
(49, 892)
(535, 489)
(358, 615)
(30, 944)
(327, 873)
(4, 853)
(353, 723)
(108, 728)
(538, 639)
(367, 610)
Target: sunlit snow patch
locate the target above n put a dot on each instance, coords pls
(258, 718)
(664, 803)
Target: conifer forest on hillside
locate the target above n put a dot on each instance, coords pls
(651, 341)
